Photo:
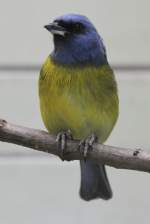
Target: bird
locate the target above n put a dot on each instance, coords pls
(78, 95)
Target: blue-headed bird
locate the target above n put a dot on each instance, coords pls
(78, 95)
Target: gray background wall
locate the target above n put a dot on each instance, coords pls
(124, 26)
(37, 188)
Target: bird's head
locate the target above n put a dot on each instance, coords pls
(76, 41)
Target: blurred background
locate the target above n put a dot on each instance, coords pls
(35, 187)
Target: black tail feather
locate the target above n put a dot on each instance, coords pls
(94, 181)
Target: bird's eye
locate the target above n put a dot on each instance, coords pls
(78, 27)
(61, 23)
(71, 27)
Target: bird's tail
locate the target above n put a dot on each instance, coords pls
(94, 181)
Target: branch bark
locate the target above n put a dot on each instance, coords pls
(134, 159)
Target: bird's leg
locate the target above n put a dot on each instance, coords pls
(62, 138)
(86, 145)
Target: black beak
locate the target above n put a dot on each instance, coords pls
(56, 29)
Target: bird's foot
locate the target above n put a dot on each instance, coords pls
(61, 139)
(86, 145)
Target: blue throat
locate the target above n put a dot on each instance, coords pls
(79, 51)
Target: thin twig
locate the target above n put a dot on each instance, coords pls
(134, 159)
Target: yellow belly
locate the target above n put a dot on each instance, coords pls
(83, 100)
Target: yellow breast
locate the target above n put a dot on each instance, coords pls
(83, 99)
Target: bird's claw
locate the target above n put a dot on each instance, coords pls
(61, 139)
(86, 145)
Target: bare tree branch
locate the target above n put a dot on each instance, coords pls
(134, 159)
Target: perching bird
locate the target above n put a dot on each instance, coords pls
(78, 92)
